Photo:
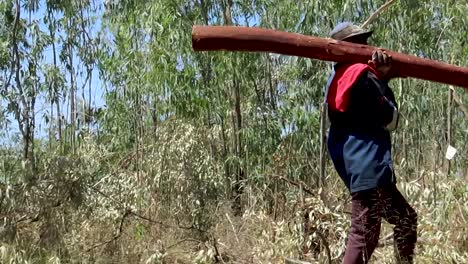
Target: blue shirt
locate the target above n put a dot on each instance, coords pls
(358, 143)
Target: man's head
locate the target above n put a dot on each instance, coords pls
(347, 31)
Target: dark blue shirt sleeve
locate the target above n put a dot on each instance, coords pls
(373, 100)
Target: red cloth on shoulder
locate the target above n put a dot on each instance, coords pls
(340, 88)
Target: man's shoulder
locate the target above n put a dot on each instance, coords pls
(358, 71)
(372, 76)
(351, 72)
(361, 67)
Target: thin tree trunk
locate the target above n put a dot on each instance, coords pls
(82, 118)
(72, 93)
(51, 127)
(434, 167)
(238, 145)
(227, 168)
(72, 96)
(33, 129)
(206, 79)
(449, 124)
(56, 91)
(323, 139)
(236, 123)
(22, 115)
(89, 110)
(227, 12)
(271, 85)
(137, 100)
(53, 87)
(419, 153)
(31, 105)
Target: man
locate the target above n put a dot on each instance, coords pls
(362, 112)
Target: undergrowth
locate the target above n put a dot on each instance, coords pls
(167, 203)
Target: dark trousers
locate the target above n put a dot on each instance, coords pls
(368, 208)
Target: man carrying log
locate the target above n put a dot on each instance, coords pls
(362, 111)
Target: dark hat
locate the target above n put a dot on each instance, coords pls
(345, 30)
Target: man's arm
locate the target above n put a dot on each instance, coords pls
(386, 106)
(382, 62)
(370, 103)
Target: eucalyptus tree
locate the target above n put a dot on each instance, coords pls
(266, 106)
(22, 85)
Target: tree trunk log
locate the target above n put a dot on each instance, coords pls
(233, 38)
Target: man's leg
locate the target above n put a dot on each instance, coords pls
(398, 212)
(365, 227)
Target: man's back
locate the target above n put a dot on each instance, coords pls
(359, 144)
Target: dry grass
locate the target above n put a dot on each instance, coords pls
(176, 216)
(254, 237)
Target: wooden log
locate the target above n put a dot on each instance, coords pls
(232, 38)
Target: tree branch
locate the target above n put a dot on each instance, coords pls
(131, 212)
(117, 236)
(164, 224)
(384, 241)
(299, 184)
(376, 13)
(325, 243)
(183, 241)
(218, 258)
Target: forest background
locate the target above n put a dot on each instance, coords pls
(120, 144)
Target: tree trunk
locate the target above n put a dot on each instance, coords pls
(72, 95)
(323, 140)
(32, 130)
(449, 124)
(227, 12)
(22, 107)
(53, 84)
(89, 110)
(227, 168)
(56, 97)
(238, 147)
(236, 124)
(266, 40)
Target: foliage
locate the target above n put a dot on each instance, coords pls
(198, 157)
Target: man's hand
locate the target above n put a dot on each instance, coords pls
(382, 62)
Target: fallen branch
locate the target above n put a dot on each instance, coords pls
(233, 228)
(299, 184)
(309, 230)
(131, 212)
(164, 224)
(182, 241)
(325, 243)
(117, 236)
(217, 256)
(384, 241)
